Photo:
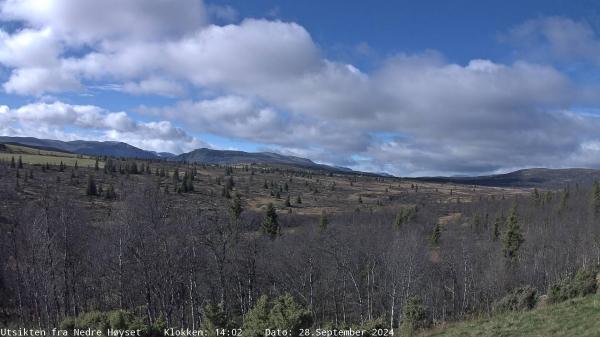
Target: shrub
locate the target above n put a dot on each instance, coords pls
(280, 313)
(415, 316)
(583, 283)
(116, 319)
(523, 298)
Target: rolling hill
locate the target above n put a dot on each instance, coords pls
(203, 155)
(227, 157)
(534, 177)
(577, 317)
(93, 148)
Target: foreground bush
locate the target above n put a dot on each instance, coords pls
(280, 313)
(415, 317)
(524, 298)
(116, 319)
(583, 283)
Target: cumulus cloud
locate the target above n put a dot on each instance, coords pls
(225, 13)
(560, 37)
(268, 82)
(91, 21)
(60, 120)
(154, 85)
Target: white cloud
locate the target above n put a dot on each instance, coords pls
(37, 81)
(91, 21)
(225, 13)
(557, 37)
(154, 85)
(270, 84)
(64, 121)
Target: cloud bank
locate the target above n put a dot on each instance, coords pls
(268, 82)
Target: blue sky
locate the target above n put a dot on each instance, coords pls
(406, 87)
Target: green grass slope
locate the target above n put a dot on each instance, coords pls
(578, 317)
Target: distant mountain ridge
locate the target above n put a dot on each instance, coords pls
(203, 155)
(532, 177)
(229, 157)
(94, 148)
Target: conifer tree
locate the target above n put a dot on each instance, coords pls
(512, 238)
(436, 235)
(496, 228)
(96, 166)
(12, 162)
(282, 313)
(76, 165)
(595, 199)
(270, 224)
(298, 200)
(323, 221)
(536, 197)
(20, 162)
(236, 207)
(215, 318)
(176, 176)
(225, 192)
(110, 193)
(287, 201)
(91, 186)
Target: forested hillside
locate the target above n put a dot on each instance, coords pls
(154, 240)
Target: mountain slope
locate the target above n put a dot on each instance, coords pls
(579, 317)
(94, 148)
(209, 156)
(535, 177)
(204, 155)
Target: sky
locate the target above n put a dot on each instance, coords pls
(411, 88)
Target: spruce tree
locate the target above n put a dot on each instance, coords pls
(176, 176)
(236, 207)
(215, 318)
(12, 162)
(20, 162)
(225, 193)
(110, 193)
(496, 228)
(287, 201)
(96, 166)
(281, 313)
(436, 235)
(595, 199)
(91, 186)
(298, 200)
(270, 224)
(512, 238)
(323, 221)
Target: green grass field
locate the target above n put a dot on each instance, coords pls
(578, 317)
(40, 157)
